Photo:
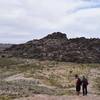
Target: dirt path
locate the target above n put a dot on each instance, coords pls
(91, 95)
(46, 97)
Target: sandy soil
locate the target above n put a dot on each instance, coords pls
(91, 95)
(46, 97)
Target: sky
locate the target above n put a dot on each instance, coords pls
(24, 20)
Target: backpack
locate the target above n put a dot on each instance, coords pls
(85, 82)
(79, 82)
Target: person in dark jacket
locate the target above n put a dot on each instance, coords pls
(84, 85)
(78, 84)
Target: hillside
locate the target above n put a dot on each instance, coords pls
(30, 79)
(4, 46)
(57, 46)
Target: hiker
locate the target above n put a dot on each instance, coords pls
(84, 85)
(78, 84)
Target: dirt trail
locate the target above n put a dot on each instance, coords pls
(46, 97)
(91, 91)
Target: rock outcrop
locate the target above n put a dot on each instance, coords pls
(56, 35)
(57, 46)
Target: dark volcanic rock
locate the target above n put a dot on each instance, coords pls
(56, 35)
(56, 46)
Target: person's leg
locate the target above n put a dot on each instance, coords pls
(86, 90)
(77, 90)
(83, 89)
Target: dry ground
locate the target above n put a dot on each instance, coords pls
(27, 79)
(46, 97)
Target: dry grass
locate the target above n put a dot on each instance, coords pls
(59, 76)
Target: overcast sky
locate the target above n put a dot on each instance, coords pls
(23, 20)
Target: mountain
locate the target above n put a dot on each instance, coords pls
(4, 46)
(57, 46)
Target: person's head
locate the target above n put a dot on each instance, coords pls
(83, 77)
(76, 76)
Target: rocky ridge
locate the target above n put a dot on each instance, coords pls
(57, 46)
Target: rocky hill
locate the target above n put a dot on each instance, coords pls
(57, 46)
(4, 46)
